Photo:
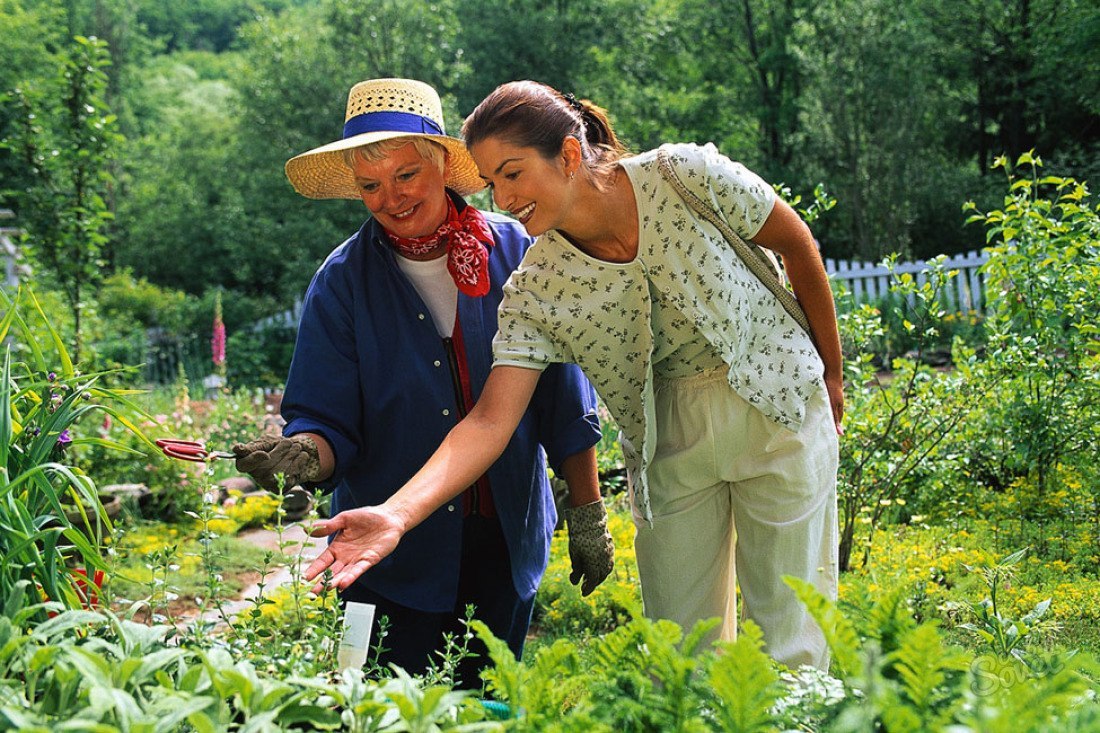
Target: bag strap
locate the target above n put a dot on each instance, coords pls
(754, 256)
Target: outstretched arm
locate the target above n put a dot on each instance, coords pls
(366, 535)
(786, 233)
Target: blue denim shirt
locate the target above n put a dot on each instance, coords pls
(371, 375)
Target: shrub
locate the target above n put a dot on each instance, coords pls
(1043, 337)
(894, 423)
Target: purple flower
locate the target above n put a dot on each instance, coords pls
(64, 439)
(51, 376)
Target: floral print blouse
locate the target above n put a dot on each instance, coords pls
(562, 305)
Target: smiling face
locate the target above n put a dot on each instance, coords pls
(404, 191)
(528, 186)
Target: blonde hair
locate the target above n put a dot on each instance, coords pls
(429, 150)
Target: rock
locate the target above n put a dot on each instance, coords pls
(135, 494)
(296, 503)
(243, 484)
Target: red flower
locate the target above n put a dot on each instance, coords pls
(89, 594)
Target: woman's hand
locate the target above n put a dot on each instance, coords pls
(363, 537)
(835, 387)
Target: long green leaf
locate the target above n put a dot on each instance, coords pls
(6, 432)
(106, 443)
(28, 335)
(6, 321)
(62, 354)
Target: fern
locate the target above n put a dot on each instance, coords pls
(890, 619)
(555, 682)
(506, 676)
(839, 632)
(926, 669)
(1023, 702)
(745, 683)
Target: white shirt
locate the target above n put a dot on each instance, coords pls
(436, 288)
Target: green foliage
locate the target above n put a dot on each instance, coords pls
(895, 424)
(745, 684)
(66, 139)
(123, 676)
(260, 358)
(209, 25)
(1043, 337)
(41, 411)
(870, 115)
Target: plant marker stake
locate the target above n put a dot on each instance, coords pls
(358, 619)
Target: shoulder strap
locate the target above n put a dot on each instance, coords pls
(754, 256)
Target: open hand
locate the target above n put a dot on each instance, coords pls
(363, 537)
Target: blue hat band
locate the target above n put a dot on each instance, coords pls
(390, 122)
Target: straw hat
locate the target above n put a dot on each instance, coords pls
(381, 109)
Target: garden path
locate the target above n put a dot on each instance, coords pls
(306, 548)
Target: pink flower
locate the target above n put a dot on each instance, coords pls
(217, 343)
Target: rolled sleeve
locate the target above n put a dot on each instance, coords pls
(522, 338)
(744, 197)
(566, 411)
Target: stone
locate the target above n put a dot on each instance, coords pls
(243, 484)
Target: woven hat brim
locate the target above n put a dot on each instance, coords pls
(322, 174)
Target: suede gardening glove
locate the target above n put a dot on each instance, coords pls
(591, 551)
(294, 457)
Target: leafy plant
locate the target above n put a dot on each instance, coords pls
(67, 151)
(40, 411)
(1044, 342)
(1005, 636)
(895, 422)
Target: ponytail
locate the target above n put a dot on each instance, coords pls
(534, 115)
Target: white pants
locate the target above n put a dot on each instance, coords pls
(739, 500)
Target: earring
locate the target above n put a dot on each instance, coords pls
(572, 175)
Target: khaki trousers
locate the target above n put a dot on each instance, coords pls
(739, 501)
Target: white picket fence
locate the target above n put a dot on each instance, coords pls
(869, 282)
(866, 281)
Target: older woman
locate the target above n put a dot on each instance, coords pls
(729, 407)
(393, 348)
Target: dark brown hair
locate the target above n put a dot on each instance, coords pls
(533, 115)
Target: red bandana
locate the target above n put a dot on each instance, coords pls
(468, 240)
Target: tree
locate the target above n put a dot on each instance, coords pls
(67, 150)
(869, 122)
(1029, 70)
(748, 59)
(30, 37)
(553, 42)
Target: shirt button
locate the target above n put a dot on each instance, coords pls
(420, 316)
(450, 507)
(446, 412)
(438, 363)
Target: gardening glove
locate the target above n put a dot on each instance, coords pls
(591, 551)
(294, 457)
